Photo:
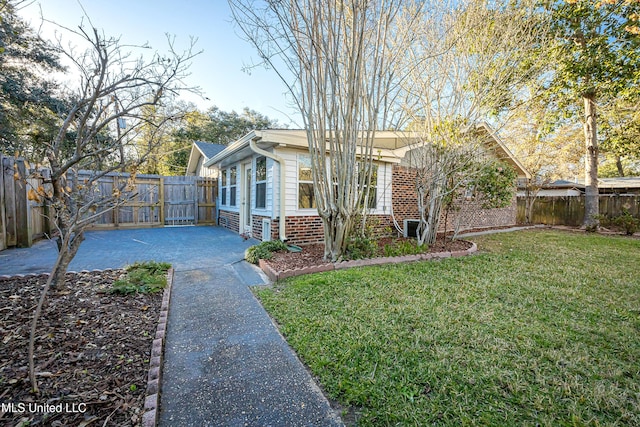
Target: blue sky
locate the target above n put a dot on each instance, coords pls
(218, 70)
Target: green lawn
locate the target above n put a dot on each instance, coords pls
(541, 328)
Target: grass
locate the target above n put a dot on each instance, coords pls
(142, 277)
(541, 328)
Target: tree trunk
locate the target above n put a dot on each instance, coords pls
(66, 257)
(619, 166)
(591, 205)
(336, 233)
(531, 195)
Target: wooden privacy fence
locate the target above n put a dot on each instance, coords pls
(569, 210)
(156, 201)
(21, 220)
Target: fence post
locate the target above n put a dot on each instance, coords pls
(3, 219)
(196, 196)
(161, 200)
(116, 213)
(23, 232)
(46, 211)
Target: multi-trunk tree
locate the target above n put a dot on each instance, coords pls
(470, 61)
(339, 60)
(547, 149)
(113, 88)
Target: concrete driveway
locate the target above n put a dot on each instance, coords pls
(183, 247)
(225, 362)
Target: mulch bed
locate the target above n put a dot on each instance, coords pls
(313, 254)
(92, 351)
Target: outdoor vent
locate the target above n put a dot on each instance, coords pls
(266, 230)
(411, 227)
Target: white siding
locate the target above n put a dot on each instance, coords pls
(204, 171)
(291, 192)
(290, 158)
(273, 188)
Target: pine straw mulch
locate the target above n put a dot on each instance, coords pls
(313, 254)
(92, 351)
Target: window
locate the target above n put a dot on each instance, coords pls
(233, 174)
(223, 189)
(373, 188)
(261, 182)
(306, 199)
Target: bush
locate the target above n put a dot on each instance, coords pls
(404, 247)
(361, 247)
(142, 277)
(264, 250)
(627, 222)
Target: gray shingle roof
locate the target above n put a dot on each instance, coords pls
(209, 149)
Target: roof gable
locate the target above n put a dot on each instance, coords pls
(209, 149)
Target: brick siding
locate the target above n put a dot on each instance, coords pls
(256, 227)
(470, 215)
(403, 194)
(230, 220)
(308, 229)
(304, 229)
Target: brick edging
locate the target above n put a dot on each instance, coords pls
(47, 274)
(274, 276)
(152, 399)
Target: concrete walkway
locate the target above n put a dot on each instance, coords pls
(225, 362)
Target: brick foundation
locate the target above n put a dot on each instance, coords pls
(230, 220)
(256, 227)
(308, 229)
(304, 229)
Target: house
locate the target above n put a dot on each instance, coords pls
(268, 172)
(558, 188)
(563, 188)
(200, 153)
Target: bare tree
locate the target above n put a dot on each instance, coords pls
(548, 153)
(339, 60)
(113, 89)
(470, 61)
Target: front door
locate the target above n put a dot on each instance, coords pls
(246, 198)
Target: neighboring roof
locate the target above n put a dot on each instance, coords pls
(563, 183)
(209, 149)
(621, 183)
(390, 146)
(202, 149)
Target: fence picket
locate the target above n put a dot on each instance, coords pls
(156, 201)
(569, 210)
(3, 220)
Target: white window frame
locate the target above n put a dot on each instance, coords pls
(260, 182)
(299, 181)
(233, 186)
(224, 193)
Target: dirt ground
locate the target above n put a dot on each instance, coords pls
(92, 352)
(313, 254)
